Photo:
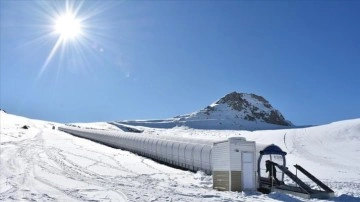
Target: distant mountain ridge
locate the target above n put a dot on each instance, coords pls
(234, 111)
(249, 107)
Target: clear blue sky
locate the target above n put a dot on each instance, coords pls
(159, 59)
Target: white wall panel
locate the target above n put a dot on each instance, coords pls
(189, 160)
(181, 151)
(169, 151)
(175, 153)
(220, 157)
(206, 157)
(197, 155)
(153, 147)
(158, 148)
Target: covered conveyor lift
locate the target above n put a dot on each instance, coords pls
(276, 161)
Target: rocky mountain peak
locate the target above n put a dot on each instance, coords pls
(240, 101)
(250, 107)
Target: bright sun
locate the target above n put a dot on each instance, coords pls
(68, 26)
(72, 30)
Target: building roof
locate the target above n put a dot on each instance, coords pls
(272, 149)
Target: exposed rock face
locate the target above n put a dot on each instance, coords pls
(245, 106)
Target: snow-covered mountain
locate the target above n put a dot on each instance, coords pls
(233, 111)
(233, 106)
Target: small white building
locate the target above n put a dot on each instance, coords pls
(234, 165)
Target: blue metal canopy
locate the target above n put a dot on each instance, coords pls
(272, 149)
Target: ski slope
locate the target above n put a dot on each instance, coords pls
(43, 164)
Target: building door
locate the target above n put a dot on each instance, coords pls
(248, 174)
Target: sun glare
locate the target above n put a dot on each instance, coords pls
(68, 26)
(73, 30)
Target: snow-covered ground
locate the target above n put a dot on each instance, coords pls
(44, 164)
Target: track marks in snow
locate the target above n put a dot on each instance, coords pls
(66, 168)
(32, 165)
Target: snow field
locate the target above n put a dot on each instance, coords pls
(42, 164)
